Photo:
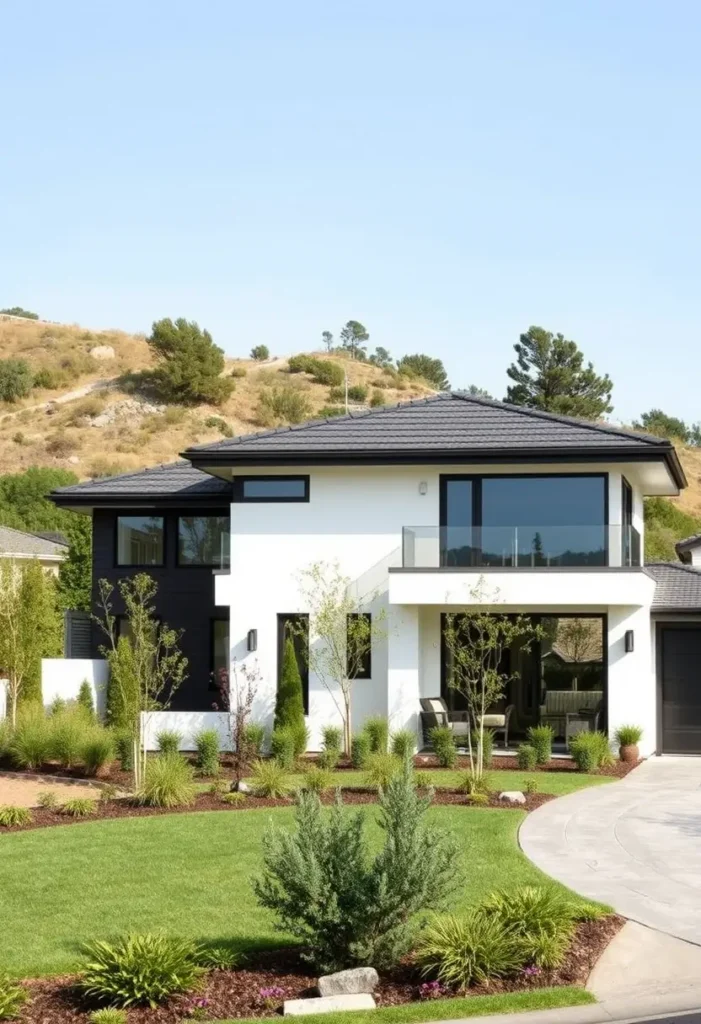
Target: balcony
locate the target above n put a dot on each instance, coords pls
(520, 547)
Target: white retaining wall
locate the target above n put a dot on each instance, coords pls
(187, 723)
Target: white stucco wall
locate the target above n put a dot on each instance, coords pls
(632, 685)
(187, 723)
(355, 516)
(61, 677)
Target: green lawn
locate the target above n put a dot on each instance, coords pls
(188, 874)
(558, 783)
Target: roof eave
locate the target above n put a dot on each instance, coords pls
(135, 499)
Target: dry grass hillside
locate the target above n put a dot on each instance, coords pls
(89, 417)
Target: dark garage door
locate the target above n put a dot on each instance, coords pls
(680, 663)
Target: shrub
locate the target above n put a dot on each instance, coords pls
(531, 786)
(357, 392)
(169, 741)
(169, 782)
(337, 394)
(97, 751)
(16, 379)
(190, 363)
(108, 792)
(233, 798)
(423, 780)
(328, 412)
(5, 736)
(239, 371)
(589, 750)
(377, 400)
(487, 744)
(207, 746)
(124, 748)
(441, 737)
(326, 372)
(289, 700)
(470, 783)
(122, 685)
(541, 737)
(219, 788)
(526, 757)
(270, 779)
(30, 744)
(280, 405)
(12, 998)
(282, 747)
(254, 736)
(260, 352)
(48, 800)
(628, 735)
(56, 706)
(377, 728)
(140, 970)
(110, 1015)
(318, 780)
(478, 799)
(85, 699)
(217, 423)
(360, 749)
(217, 958)
(380, 769)
(332, 736)
(300, 364)
(465, 951)
(67, 732)
(404, 743)
(329, 758)
(541, 919)
(347, 907)
(15, 817)
(79, 807)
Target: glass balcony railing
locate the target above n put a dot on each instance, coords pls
(519, 547)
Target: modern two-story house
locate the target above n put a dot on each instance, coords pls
(428, 507)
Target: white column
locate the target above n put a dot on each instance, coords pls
(632, 686)
(403, 690)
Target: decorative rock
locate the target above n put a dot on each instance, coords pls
(102, 352)
(351, 982)
(513, 797)
(240, 787)
(327, 1004)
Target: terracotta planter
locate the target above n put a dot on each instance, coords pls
(629, 753)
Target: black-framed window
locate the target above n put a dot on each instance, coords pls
(365, 658)
(527, 520)
(219, 652)
(295, 626)
(140, 540)
(203, 540)
(271, 488)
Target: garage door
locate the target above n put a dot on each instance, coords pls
(681, 689)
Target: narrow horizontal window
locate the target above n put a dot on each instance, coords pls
(271, 488)
(139, 540)
(359, 645)
(203, 540)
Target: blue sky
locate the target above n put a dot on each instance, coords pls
(446, 172)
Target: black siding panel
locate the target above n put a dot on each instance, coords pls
(185, 600)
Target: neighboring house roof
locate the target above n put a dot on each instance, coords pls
(17, 544)
(449, 424)
(174, 480)
(677, 589)
(686, 546)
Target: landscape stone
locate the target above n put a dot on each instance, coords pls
(350, 982)
(327, 1004)
(513, 797)
(102, 352)
(240, 787)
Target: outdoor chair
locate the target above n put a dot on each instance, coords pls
(435, 712)
(498, 722)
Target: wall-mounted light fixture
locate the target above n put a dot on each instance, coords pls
(629, 641)
(423, 487)
(252, 640)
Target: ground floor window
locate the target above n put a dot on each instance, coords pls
(220, 653)
(558, 679)
(297, 627)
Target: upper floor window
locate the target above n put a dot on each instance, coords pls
(271, 488)
(203, 540)
(139, 540)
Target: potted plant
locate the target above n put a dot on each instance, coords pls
(628, 737)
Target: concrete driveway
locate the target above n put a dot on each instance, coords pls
(635, 844)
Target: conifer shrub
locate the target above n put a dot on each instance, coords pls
(541, 737)
(85, 699)
(207, 746)
(526, 757)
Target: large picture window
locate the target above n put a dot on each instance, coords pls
(203, 540)
(524, 520)
(139, 540)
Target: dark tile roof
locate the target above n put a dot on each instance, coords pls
(176, 479)
(678, 587)
(449, 422)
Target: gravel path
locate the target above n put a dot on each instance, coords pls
(24, 792)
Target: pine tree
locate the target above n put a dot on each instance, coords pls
(191, 363)
(421, 365)
(122, 698)
(85, 700)
(550, 374)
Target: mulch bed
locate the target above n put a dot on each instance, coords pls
(124, 808)
(232, 994)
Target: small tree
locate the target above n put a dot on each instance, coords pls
(122, 699)
(289, 701)
(260, 352)
(85, 699)
(327, 338)
(345, 906)
(158, 667)
(657, 422)
(16, 379)
(354, 337)
(550, 374)
(381, 357)
(421, 365)
(342, 635)
(191, 364)
(475, 641)
(237, 701)
(19, 311)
